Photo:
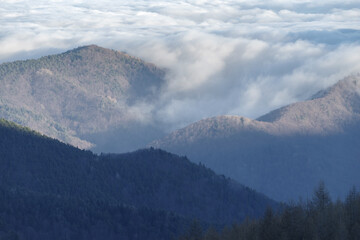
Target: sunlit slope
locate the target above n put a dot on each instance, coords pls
(83, 91)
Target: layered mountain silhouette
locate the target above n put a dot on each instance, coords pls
(90, 97)
(286, 152)
(80, 94)
(53, 190)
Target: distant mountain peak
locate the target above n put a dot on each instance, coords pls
(91, 46)
(105, 52)
(326, 112)
(348, 84)
(329, 111)
(85, 90)
(95, 52)
(286, 152)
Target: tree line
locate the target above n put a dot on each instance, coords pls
(319, 218)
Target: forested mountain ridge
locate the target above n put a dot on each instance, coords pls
(82, 91)
(39, 167)
(284, 153)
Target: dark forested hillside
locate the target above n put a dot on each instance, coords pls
(164, 181)
(34, 167)
(34, 216)
(78, 93)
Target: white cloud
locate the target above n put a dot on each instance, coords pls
(224, 57)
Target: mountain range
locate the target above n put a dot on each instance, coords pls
(86, 97)
(286, 152)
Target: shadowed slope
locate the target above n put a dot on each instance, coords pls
(146, 178)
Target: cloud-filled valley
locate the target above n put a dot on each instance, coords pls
(222, 57)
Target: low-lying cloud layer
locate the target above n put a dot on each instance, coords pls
(224, 57)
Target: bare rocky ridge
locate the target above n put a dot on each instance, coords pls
(286, 152)
(83, 91)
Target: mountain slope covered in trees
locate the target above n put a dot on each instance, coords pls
(34, 216)
(285, 153)
(73, 95)
(35, 168)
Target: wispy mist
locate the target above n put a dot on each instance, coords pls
(223, 57)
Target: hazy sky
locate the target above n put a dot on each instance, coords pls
(224, 57)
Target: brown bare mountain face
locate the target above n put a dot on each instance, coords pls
(76, 94)
(286, 152)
